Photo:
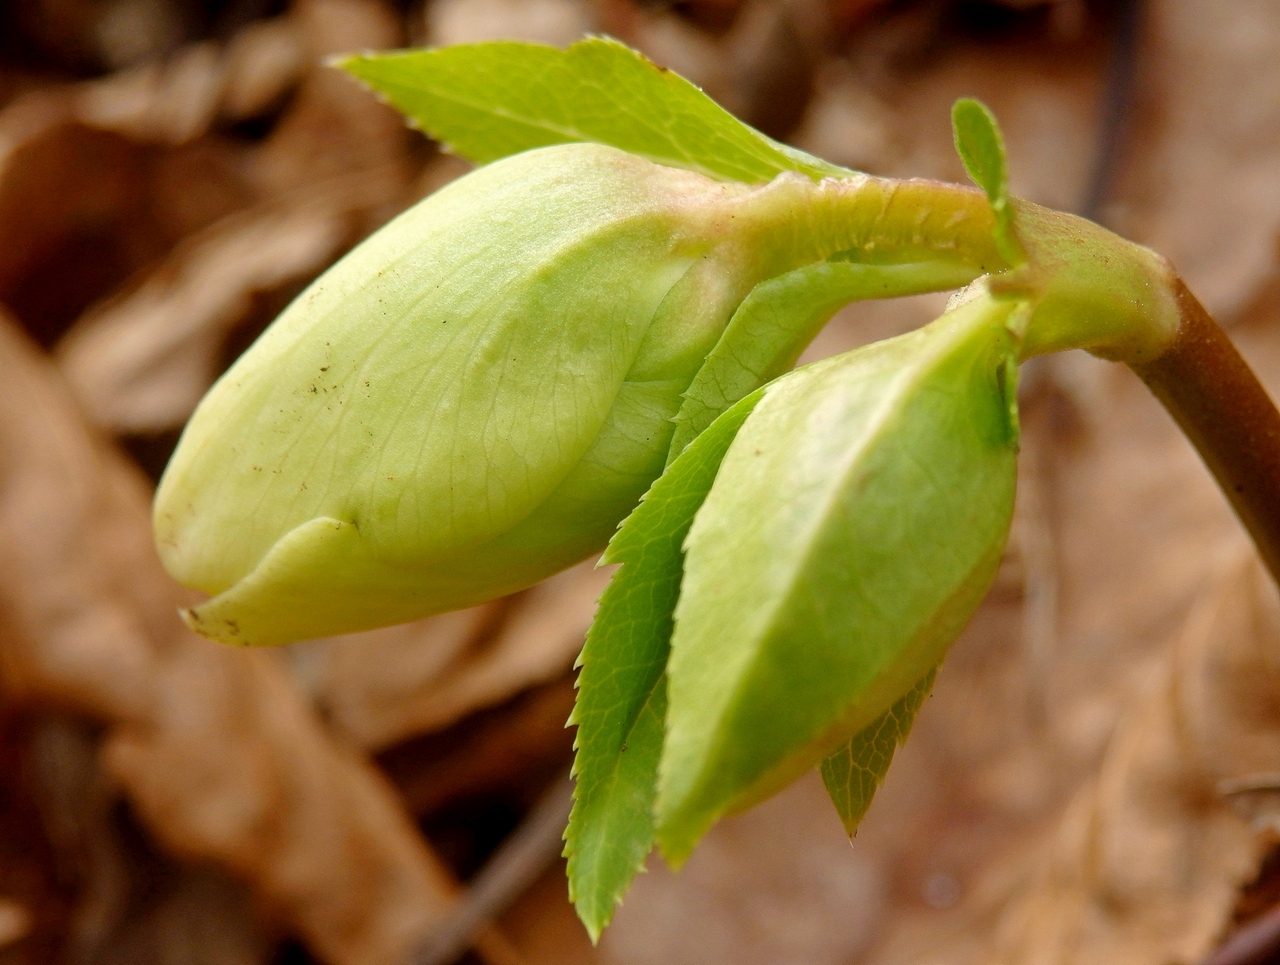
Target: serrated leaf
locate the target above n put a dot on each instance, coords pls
(855, 772)
(621, 693)
(781, 316)
(486, 101)
(854, 525)
(981, 147)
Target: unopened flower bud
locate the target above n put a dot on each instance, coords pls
(475, 396)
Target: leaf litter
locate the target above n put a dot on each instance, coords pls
(1125, 643)
(214, 749)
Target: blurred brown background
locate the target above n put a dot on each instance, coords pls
(1096, 780)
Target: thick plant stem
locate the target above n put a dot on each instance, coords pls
(1226, 413)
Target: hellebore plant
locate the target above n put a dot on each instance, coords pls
(595, 328)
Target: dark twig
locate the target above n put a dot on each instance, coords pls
(508, 874)
(1116, 106)
(1254, 944)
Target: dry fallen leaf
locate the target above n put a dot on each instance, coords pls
(384, 686)
(140, 363)
(555, 22)
(45, 196)
(140, 359)
(215, 747)
(501, 751)
(170, 102)
(1203, 189)
(133, 904)
(333, 127)
(1147, 861)
(263, 61)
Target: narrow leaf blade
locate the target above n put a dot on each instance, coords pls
(781, 316)
(621, 701)
(486, 101)
(855, 772)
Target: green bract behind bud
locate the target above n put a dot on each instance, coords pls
(474, 397)
(855, 523)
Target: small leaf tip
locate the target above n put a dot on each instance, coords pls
(981, 148)
(352, 59)
(980, 145)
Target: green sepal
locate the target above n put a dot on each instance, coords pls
(781, 316)
(981, 147)
(855, 524)
(855, 772)
(621, 689)
(489, 100)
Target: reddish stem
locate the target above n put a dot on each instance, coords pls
(1226, 413)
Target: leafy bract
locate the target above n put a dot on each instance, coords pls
(855, 772)
(621, 690)
(981, 148)
(855, 524)
(781, 316)
(486, 101)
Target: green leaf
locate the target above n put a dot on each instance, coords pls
(621, 690)
(981, 148)
(781, 316)
(486, 101)
(856, 522)
(855, 772)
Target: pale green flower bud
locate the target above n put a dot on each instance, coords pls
(475, 396)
